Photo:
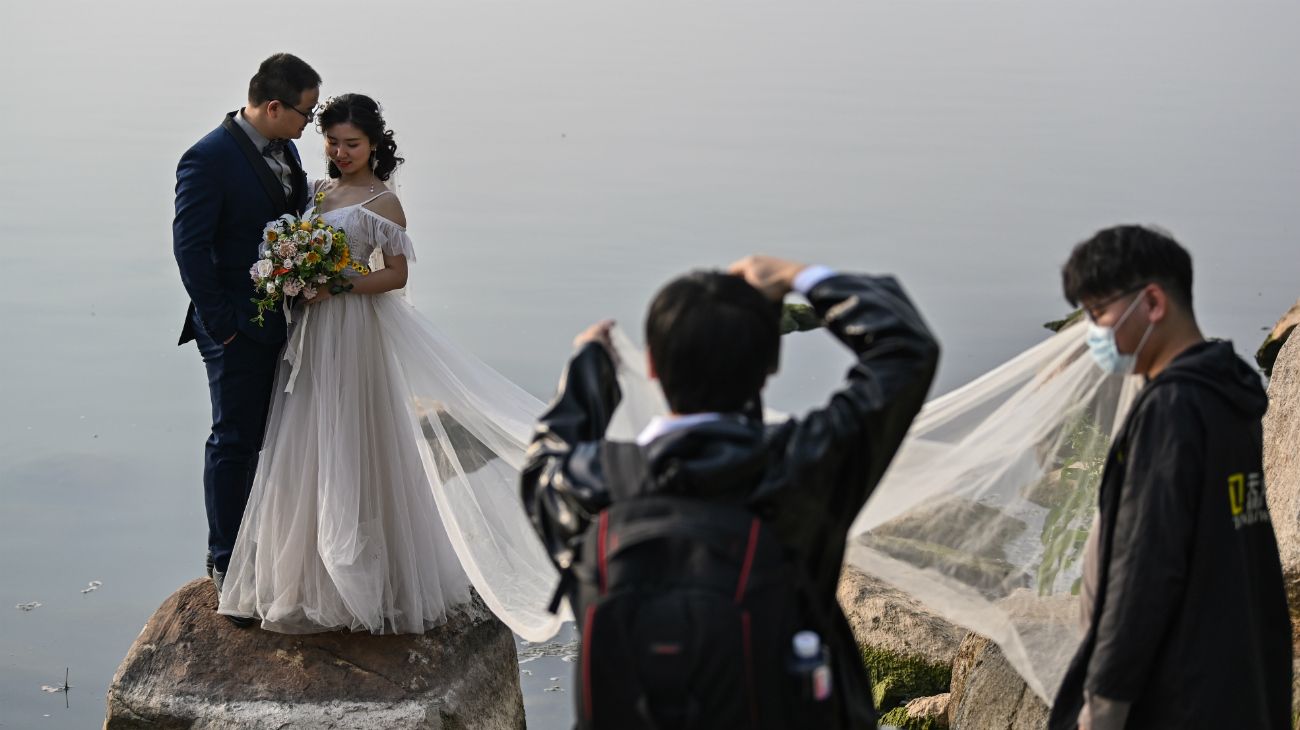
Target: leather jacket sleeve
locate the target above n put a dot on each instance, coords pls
(562, 488)
(832, 459)
(828, 462)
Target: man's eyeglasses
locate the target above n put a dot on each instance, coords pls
(1096, 309)
(310, 116)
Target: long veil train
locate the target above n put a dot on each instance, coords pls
(984, 513)
(982, 516)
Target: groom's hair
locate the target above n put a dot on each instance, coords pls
(282, 77)
(714, 340)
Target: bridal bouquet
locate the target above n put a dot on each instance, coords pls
(297, 256)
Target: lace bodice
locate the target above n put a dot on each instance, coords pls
(368, 231)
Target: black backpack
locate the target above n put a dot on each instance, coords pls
(687, 611)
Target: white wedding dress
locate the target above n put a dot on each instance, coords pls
(388, 481)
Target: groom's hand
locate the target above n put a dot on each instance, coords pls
(598, 333)
(772, 276)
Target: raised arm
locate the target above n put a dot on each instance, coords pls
(562, 484)
(835, 456)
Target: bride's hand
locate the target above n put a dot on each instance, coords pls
(322, 293)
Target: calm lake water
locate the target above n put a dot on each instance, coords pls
(564, 159)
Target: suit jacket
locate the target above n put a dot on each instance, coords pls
(225, 195)
(808, 478)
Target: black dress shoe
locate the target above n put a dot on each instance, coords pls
(243, 622)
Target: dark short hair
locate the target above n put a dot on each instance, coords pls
(364, 113)
(282, 77)
(1125, 258)
(713, 339)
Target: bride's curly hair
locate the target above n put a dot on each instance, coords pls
(363, 113)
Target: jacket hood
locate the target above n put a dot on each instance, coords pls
(723, 459)
(1213, 364)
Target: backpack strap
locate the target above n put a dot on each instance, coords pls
(602, 552)
(754, 526)
(624, 467)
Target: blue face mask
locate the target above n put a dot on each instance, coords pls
(1105, 350)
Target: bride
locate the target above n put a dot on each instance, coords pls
(387, 485)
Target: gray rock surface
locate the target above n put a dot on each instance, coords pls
(925, 707)
(987, 694)
(1282, 460)
(1282, 479)
(191, 668)
(886, 619)
(1268, 351)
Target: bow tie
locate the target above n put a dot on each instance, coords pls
(274, 146)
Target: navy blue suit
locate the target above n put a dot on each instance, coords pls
(225, 194)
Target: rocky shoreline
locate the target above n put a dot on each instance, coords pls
(190, 668)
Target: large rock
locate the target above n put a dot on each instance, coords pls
(907, 648)
(1282, 460)
(1268, 351)
(987, 694)
(1282, 478)
(885, 618)
(191, 668)
(922, 713)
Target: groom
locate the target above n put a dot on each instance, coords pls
(243, 174)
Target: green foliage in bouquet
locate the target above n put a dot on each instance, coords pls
(296, 256)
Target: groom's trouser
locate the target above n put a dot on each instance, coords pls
(240, 378)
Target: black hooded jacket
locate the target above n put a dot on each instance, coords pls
(808, 478)
(1190, 621)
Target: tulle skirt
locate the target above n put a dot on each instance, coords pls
(388, 483)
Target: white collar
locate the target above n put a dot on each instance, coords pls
(664, 425)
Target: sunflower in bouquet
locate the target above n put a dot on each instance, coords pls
(296, 257)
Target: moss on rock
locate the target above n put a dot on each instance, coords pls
(895, 679)
(899, 718)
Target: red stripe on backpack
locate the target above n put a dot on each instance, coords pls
(749, 560)
(602, 559)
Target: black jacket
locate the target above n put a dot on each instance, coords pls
(807, 477)
(1190, 620)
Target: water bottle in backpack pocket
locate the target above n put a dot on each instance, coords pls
(692, 617)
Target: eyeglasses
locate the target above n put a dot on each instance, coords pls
(1097, 309)
(308, 115)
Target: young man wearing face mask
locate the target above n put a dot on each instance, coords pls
(1185, 614)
